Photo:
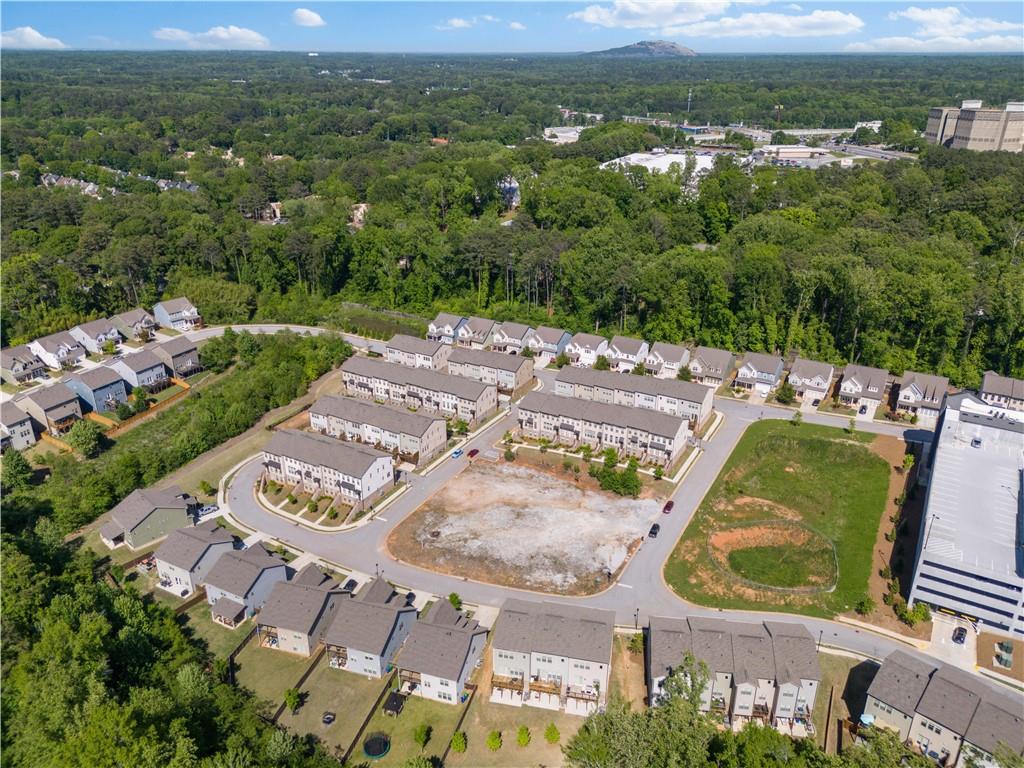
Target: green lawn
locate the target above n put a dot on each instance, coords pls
(165, 393)
(234, 530)
(484, 717)
(218, 640)
(821, 477)
(850, 678)
(440, 717)
(268, 673)
(212, 466)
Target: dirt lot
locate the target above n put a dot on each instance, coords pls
(628, 680)
(523, 527)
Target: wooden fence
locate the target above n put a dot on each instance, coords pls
(131, 421)
(302, 680)
(197, 597)
(369, 716)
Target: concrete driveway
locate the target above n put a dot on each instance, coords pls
(943, 647)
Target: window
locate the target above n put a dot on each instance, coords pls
(445, 684)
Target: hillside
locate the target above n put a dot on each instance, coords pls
(646, 49)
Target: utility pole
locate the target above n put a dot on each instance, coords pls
(778, 115)
(689, 98)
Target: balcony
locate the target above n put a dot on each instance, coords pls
(268, 637)
(337, 657)
(554, 687)
(507, 683)
(581, 693)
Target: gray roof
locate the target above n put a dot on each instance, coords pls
(140, 503)
(414, 345)
(654, 422)
(752, 655)
(439, 643)
(11, 414)
(377, 591)
(648, 385)
(808, 369)
(487, 358)
(20, 354)
(447, 318)
(933, 388)
(180, 304)
(761, 362)
(713, 360)
(297, 604)
(133, 317)
(549, 335)
(997, 719)
(351, 459)
(669, 641)
(48, 398)
(179, 345)
(186, 546)
(555, 628)
(669, 352)
(404, 375)
(480, 327)
(712, 643)
(227, 608)
(97, 378)
(140, 361)
(951, 698)
(868, 378)
(901, 681)
(53, 342)
(365, 622)
(395, 420)
(515, 330)
(627, 345)
(588, 340)
(237, 572)
(995, 384)
(94, 328)
(796, 657)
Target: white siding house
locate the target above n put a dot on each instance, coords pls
(584, 349)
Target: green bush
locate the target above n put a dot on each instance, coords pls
(459, 742)
(422, 734)
(864, 606)
(636, 643)
(510, 455)
(551, 734)
(455, 600)
(523, 736)
(494, 741)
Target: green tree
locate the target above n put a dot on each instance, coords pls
(797, 419)
(494, 741)
(459, 742)
(908, 462)
(421, 735)
(636, 643)
(523, 736)
(602, 364)
(510, 455)
(685, 374)
(551, 734)
(292, 700)
(785, 394)
(17, 472)
(864, 606)
(455, 600)
(561, 360)
(418, 761)
(639, 370)
(85, 437)
(141, 399)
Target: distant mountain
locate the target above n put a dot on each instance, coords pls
(650, 49)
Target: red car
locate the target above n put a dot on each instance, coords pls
(668, 506)
(473, 453)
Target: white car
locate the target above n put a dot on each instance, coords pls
(209, 509)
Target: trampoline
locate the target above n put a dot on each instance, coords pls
(376, 745)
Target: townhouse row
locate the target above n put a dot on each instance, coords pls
(509, 373)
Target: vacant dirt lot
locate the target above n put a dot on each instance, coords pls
(520, 526)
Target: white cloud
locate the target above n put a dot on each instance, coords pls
(794, 7)
(215, 38)
(946, 30)
(637, 14)
(488, 17)
(307, 18)
(516, 26)
(950, 22)
(951, 44)
(814, 24)
(28, 38)
(461, 23)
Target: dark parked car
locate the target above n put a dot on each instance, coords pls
(817, 402)
(655, 530)
(328, 718)
(863, 410)
(959, 635)
(473, 453)
(668, 506)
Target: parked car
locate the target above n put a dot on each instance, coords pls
(817, 402)
(655, 530)
(863, 410)
(668, 506)
(457, 453)
(473, 453)
(209, 509)
(959, 635)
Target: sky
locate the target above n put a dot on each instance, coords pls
(707, 26)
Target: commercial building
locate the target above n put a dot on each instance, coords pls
(418, 353)
(507, 372)
(969, 560)
(972, 126)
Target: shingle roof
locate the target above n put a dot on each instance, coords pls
(548, 335)
(555, 628)
(447, 318)
(479, 327)
(54, 341)
(867, 378)
(11, 414)
(648, 385)
(141, 361)
(140, 503)
(627, 345)
(98, 377)
(414, 345)
(179, 345)
(808, 369)
(48, 398)
(996, 384)
(997, 719)
(237, 572)
(94, 328)
(951, 698)
(669, 641)
(439, 643)
(20, 354)
(382, 416)
(713, 360)
(932, 388)
(297, 605)
(514, 330)
(351, 459)
(901, 681)
(669, 352)
(796, 657)
(179, 304)
(186, 546)
(642, 419)
(365, 622)
(712, 643)
(227, 608)
(588, 340)
(133, 317)
(761, 362)
(752, 655)
(403, 375)
(487, 358)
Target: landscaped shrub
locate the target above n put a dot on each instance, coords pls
(636, 643)
(510, 455)
(864, 606)
(494, 741)
(523, 736)
(455, 600)
(551, 734)
(422, 735)
(292, 499)
(659, 472)
(459, 742)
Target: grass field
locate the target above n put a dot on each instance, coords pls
(850, 679)
(440, 717)
(783, 499)
(268, 673)
(219, 641)
(484, 717)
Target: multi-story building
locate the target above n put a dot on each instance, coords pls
(135, 324)
(547, 343)
(1002, 391)
(20, 365)
(445, 328)
(972, 126)
(240, 582)
(146, 515)
(666, 360)
(416, 437)
(368, 629)
(862, 385)
(58, 350)
(710, 366)
(298, 611)
(101, 388)
(440, 653)
(584, 349)
(418, 353)
(15, 427)
(759, 372)
(96, 335)
(418, 388)
(189, 553)
(508, 373)
(810, 379)
(475, 333)
(179, 314)
(54, 408)
(625, 353)
(180, 356)
(922, 394)
(649, 436)
(969, 559)
(686, 399)
(510, 338)
(142, 369)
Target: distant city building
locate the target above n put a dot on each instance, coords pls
(971, 126)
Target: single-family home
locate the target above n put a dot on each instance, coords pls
(625, 353)
(665, 360)
(368, 629)
(54, 408)
(240, 582)
(142, 369)
(417, 353)
(101, 388)
(862, 385)
(711, 366)
(146, 515)
(510, 338)
(135, 324)
(58, 350)
(998, 724)
(475, 333)
(896, 690)
(922, 394)
(1002, 391)
(188, 554)
(810, 379)
(20, 365)
(440, 653)
(552, 656)
(350, 472)
(180, 355)
(179, 314)
(96, 335)
(759, 372)
(547, 343)
(298, 612)
(415, 437)
(584, 349)
(508, 373)
(445, 328)
(16, 429)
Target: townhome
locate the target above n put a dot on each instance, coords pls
(368, 629)
(1002, 391)
(240, 582)
(440, 653)
(584, 349)
(415, 437)
(179, 314)
(20, 365)
(353, 473)
(810, 379)
(753, 674)
(711, 366)
(944, 713)
(552, 656)
(297, 612)
(142, 369)
(146, 515)
(188, 554)
(55, 409)
(711, 641)
(419, 388)
(445, 328)
(475, 333)
(922, 394)
(797, 674)
(547, 343)
(685, 399)
(664, 360)
(180, 355)
(895, 692)
(998, 724)
(759, 372)
(135, 324)
(510, 338)
(15, 427)
(101, 388)
(508, 373)
(862, 385)
(417, 353)
(58, 351)
(649, 436)
(96, 335)
(625, 353)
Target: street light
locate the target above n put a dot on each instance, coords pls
(636, 619)
(376, 569)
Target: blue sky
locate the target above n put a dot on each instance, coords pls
(708, 26)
